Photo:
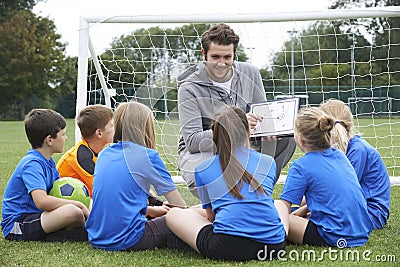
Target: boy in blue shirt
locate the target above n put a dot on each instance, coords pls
(28, 212)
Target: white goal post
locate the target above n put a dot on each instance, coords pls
(335, 53)
(365, 106)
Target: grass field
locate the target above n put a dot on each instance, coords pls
(383, 245)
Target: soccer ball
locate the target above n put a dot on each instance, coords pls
(72, 189)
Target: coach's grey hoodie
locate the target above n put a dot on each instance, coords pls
(199, 100)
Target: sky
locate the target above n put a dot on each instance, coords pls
(66, 13)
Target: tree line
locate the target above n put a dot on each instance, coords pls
(35, 72)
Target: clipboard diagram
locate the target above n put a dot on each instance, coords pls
(278, 117)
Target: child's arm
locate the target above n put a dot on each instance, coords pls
(286, 203)
(283, 208)
(175, 199)
(156, 211)
(210, 215)
(49, 203)
(301, 212)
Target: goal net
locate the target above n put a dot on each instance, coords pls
(349, 54)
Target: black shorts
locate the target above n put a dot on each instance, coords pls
(29, 228)
(155, 235)
(236, 248)
(311, 236)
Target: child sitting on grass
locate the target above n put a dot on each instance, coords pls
(366, 160)
(28, 212)
(123, 175)
(338, 210)
(235, 188)
(96, 125)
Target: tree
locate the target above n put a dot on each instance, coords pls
(323, 54)
(382, 31)
(66, 102)
(32, 61)
(150, 51)
(9, 6)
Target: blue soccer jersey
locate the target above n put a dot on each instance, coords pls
(255, 216)
(333, 195)
(123, 175)
(373, 177)
(33, 172)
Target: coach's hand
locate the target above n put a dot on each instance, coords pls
(253, 119)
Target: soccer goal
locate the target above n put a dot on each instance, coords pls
(348, 54)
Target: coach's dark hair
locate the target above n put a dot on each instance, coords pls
(40, 123)
(221, 34)
(230, 130)
(92, 118)
(314, 126)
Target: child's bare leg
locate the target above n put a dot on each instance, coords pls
(68, 216)
(297, 227)
(197, 208)
(186, 224)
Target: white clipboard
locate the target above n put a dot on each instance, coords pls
(278, 117)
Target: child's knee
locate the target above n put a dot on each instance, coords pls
(172, 214)
(74, 214)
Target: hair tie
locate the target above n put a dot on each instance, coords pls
(338, 122)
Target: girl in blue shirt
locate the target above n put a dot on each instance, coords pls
(338, 210)
(235, 187)
(123, 175)
(366, 160)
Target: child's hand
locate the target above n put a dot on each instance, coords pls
(173, 206)
(301, 212)
(157, 211)
(84, 209)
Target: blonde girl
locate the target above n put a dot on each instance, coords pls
(123, 175)
(366, 160)
(329, 183)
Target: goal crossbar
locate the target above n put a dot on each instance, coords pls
(331, 14)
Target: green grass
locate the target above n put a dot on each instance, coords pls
(13, 146)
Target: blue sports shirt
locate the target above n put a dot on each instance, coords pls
(254, 217)
(373, 177)
(333, 195)
(123, 175)
(33, 172)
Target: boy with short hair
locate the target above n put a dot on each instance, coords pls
(28, 212)
(96, 125)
